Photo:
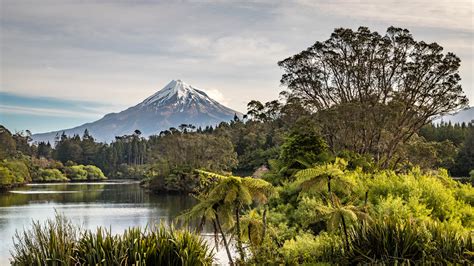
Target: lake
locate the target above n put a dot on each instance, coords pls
(116, 205)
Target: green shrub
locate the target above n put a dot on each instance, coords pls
(6, 177)
(76, 172)
(94, 173)
(50, 175)
(307, 248)
(16, 172)
(392, 241)
(84, 172)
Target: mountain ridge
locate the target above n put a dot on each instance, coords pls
(465, 115)
(177, 103)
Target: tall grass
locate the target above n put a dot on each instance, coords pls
(58, 242)
(388, 241)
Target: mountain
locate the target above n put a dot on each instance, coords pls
(177, 103)
(465, 115)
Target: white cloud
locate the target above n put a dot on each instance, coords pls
(34, 111)
(121, 52)
(447, 14)
(216, 95)
(240, 50)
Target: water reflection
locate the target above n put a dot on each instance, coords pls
(114, 205)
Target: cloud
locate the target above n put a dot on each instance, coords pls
(9, 109)
(236, 50)
(447, 14)
(114, 54)
(216, 95)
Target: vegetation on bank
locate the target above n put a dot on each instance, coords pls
(19, 165)
(332, 214)
(59, 242)
(355, 172)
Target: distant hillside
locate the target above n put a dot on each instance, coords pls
(177, 103)
(466, 115)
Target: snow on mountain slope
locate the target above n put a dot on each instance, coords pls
(177, 103)
(179, 93)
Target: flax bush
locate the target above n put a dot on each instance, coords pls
(59, 242)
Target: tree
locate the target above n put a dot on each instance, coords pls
(372, 92)
(7, 143)
(305, 146)
(465, 158)
(337, 214)
(316, 177)
(44, 150)
(227, 198)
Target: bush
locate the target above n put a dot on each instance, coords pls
(84, 172)
(52, 243)
(6, 176)
(412, 217)
(14, 173)
(50, 175)
(392, 241)
(58, 242)
(94, 173)
(307, 248)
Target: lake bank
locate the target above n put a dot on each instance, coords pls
(111, 204)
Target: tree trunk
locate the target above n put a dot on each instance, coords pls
(345, 232)
(329, 186)
(201, 223)
(238, 233)
(366, 198)
(231, 262)
(329, 190)
(264, 231)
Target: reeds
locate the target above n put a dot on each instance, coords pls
(59, 242)
(391, 242)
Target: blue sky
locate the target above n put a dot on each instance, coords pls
(64, 63)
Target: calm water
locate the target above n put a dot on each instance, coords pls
(117, 205)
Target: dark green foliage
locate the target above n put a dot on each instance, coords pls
(59, 242)
(465, 158)
(461, 135)
(456, 133)
(355, 160)
(45, 150)
(302, 146)
(7, 143)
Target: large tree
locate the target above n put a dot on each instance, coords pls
(372, 92)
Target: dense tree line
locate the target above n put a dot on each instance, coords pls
(21, 162)
(454, 143)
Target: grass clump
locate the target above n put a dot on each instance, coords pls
(59, 242)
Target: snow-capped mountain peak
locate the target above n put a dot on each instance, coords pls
(177, 103)
(177, 92)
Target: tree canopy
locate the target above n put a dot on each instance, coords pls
(373, 92)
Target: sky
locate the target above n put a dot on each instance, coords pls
(65, 63)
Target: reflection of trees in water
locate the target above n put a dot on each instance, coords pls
(52, 193)
(164, 207)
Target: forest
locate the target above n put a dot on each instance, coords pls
(345, 167)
